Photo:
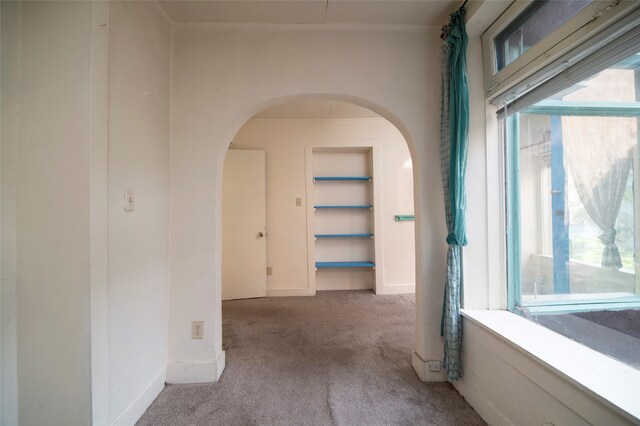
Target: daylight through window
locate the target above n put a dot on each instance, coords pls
(574, 205)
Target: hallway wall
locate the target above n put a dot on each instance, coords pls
(219, 79)
(45, 183)
(84, 289)
(138, 241)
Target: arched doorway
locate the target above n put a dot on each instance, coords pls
(336, 211)
(197, 171)
(334, 340)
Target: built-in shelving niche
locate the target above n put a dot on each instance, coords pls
(344, 238)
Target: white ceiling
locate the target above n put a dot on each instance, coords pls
(315, 110)
(431, 13)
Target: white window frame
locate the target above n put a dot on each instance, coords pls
(616, 381)
(589, 21)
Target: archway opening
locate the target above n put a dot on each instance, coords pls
(337, 184)
(317, 195)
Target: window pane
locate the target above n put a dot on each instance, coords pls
(575, 172)
(535, 23)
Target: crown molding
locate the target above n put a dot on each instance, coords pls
(297, 27)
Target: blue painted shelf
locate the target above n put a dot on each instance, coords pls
(343, 235)
(344, 207)
(324, 265)
(340, 178)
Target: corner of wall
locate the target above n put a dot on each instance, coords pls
(196, 371)
(421, 367)
(133, 412)
(391, 289)
(483, 406)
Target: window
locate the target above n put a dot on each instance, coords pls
(536, 22)
(536, 39)
(574, 210)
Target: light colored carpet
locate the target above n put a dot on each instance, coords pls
(339, 358)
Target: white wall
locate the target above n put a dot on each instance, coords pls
(45, 171)
(507, 387)
(10, 37)
(475, 255)
(138, 241)
(59, 173)
(284, 142)
(220, 78)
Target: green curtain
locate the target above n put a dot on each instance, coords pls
(454, 129)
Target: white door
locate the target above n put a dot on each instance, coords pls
(244, 246)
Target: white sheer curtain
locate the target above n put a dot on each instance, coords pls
(598, 152)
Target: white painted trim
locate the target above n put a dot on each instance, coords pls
(317, 118)
(609, 381)
(320, 27)
(483, 406)
(481, 14)
(311, 221)
(591, 20)
(376, 200)
(197, 371)
(288, 292)
(1, 275)
(489, 54)
(133, 413)
(421, 367)
(408, 288)
(636, 208)
(496, 208)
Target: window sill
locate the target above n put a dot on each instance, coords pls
(615, 384)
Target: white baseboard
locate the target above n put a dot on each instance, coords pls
(396, 289)
(485, 409)
(421, 368)
(288, 292)
(195, 372)
(132, 414)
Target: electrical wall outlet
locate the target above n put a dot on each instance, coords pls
(435, 366)
(298, 202)
(269, 270)
(197, 329)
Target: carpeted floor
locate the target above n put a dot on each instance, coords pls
(339, 358)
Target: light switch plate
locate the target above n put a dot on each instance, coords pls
(129, 200)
